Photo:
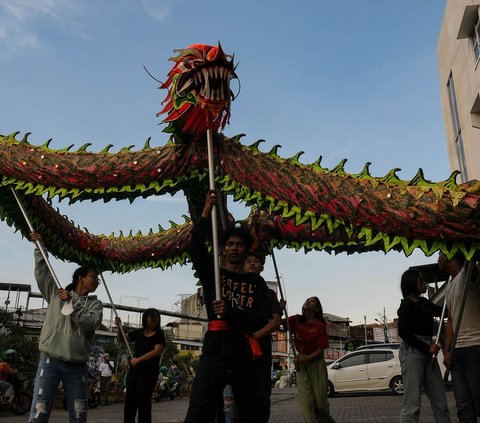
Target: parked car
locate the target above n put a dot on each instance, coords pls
(392, 345)
(375, 369)
(396, 346)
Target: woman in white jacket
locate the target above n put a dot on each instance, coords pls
(65, 341)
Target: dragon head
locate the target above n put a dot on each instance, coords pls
(198, 85)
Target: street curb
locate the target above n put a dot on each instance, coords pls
(283, 399)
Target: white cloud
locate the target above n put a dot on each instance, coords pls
(18, 19)
(176, 199)
(157, 10)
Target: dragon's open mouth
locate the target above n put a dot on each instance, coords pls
(199, 89)
(212, 83)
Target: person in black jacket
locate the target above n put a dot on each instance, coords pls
(416, 328)
(229, 345)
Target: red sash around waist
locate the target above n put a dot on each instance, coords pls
(218, 325)
(215, 325)
(254, 346)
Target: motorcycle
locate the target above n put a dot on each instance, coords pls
(22, 400)
(169, 387)
(94, 395)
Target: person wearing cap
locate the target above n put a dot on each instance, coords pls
(65, 341)
(9, 356)
(105, 368)
(230, 345)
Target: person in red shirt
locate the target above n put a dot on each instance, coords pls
(310, 333)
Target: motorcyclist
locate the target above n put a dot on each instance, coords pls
(10, 356)
(173, 379)
(6, 388)
(162, 377)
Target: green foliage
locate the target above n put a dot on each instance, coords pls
(186, 363)
(171, 352)
(14, 336)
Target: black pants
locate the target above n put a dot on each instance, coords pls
(140, 385)
(105, 387)
(263, 385)
(212, 375)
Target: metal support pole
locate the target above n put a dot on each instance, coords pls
(211, 180)
(67, 307)
(116, 314)
(439, 331)
(464, 178)
(467, 281)
(283, 298)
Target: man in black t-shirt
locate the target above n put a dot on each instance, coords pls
(228, 347)
(254, 263)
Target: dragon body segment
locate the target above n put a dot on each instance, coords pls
(302, 206)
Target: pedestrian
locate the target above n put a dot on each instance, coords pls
(65, 340)
(105, 368)
(311, 340)
(142, 375)
(464, 360)
(419, 369)
(229, 345)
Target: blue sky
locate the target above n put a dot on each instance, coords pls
(351, 79)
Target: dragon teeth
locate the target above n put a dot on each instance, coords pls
(186, 85)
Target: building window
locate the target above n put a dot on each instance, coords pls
(457, 130)
(470, 28)
(476, 40)
(475, 112)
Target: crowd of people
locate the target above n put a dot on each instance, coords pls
(233, 379)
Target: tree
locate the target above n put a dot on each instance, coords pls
(14, 336)
(171, 352)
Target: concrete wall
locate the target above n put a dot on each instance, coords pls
(456, 56)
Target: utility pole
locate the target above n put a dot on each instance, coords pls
(383, 322)
(7, 301)
(365, 324)
(385, 326)
(138, 299)
(180, 303)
